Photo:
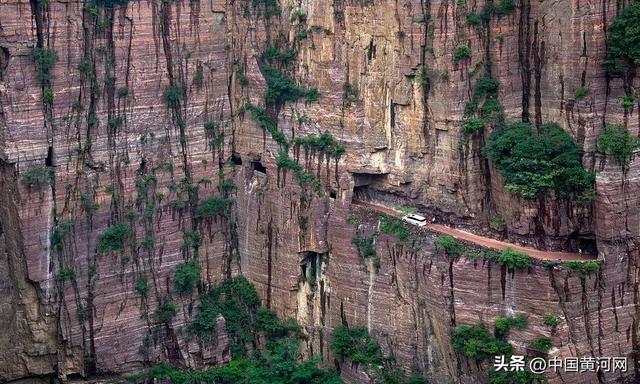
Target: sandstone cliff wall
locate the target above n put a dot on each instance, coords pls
(113, 123)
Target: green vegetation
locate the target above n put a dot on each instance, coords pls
(449, 245)
(396, 226)
(268, 8)
(142, 287)
(37, 177)
(627, 102)
(237, 301)
(285, 57)
(260, 116)
(213, 207)
(283, 161)
(473, 19)
(551, 321)
(355, 344)
(166, 311)
(533, 163)
(281, 88)
(472, 125)
(278, 363)
(477, 343)
(365, 245)
(350, 93)
(325, 143)
(623, 37)
(498, 223)
(503, 325)
(110, 3)
(461, 52)
(618, 143)
(113, 238)
(514, 259)
(173, 95)
(515, 377)
(541, 344)
(44, 59)
(187, 277)
(47, 96)
(297, 16)
(583, 269)
(581, 92)
(65, 275)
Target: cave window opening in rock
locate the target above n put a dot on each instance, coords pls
(582, 245)
(49, 160)
(332, 194)
(236, 159)
(258, 167)
(363, 185)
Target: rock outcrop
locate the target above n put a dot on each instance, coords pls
(142, 116)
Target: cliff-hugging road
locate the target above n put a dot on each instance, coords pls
(481, 240)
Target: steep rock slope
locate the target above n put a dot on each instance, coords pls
(143, 117)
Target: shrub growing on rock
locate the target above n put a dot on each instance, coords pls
(187, 277)
(533, 163)
(477, 343)
(514, 259)
(624, 35)
(113, 238)
(618, 143)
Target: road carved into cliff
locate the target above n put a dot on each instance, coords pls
(481, 240)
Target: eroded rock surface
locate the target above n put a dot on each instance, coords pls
(126, 137)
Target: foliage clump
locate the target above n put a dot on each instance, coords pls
(142, 287)
(533, 163)
(113, 238)
(396, 226)
(461, 52)
(551, 321)
(265, 122)
(449, 245)
(166, 311)
(502, 325)
(187, 277)
(365, 246)
(44, 59)
(623, 37)
(213, 207)
(618, 143)
(477, 343)
(325, 143)
(37, 177)
(237, 301)
(281, 88)
(514, 260)
(355, 344)
(541, 344)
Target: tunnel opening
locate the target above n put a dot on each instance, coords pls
(581, 244)
(258, 167)
(333, 194)
(364, 185)
(236, 159)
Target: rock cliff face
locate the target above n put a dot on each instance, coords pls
(143, 116)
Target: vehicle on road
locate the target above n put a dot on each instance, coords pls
(415, 219)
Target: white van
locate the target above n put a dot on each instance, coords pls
(415, 219)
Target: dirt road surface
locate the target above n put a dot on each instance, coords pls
(484, 241)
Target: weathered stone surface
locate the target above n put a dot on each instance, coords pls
(402, 140)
